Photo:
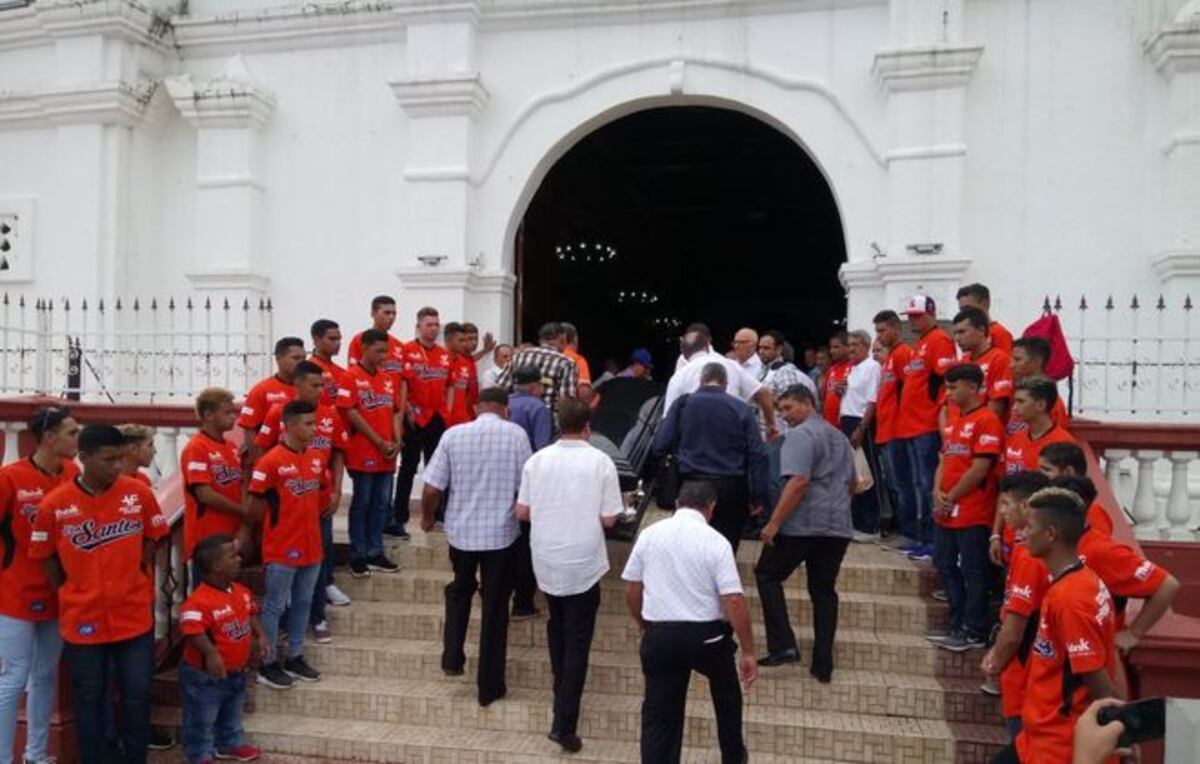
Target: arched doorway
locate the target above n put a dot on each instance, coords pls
(679, 214)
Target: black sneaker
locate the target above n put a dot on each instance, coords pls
(976, 642)
(359, 569)
(160, 740)
(396, 531)
(272, 675)
(298, 668)
(382, 564)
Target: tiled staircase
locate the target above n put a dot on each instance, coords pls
(383, 697)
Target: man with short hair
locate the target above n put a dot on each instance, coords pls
(892, 449)
(462, 380)
(971, 335)
(833, 381)
(569, 495)
(1029, 357)
(551, 363)
(683, 590)
(714, 437)
(383, 317)
(479, 465)
(426, 376)
(327, 343)
(964, 501)
(857, 420)
(501, 358)
(641, 365)
(810, 524)
(695, 346)
(277, 388)
(979, 296)
(95, 536)
(373, 406)
(212, 476)
(922, 396)
(743, 350)
(1066, 459)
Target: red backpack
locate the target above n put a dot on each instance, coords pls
(1061, 364)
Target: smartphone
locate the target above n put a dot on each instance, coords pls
(1143, 719)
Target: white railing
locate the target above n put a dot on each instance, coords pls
(168, 441)
(1135, 360)
(1156, 489)
(132, 351)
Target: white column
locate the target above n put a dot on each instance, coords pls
(1180, 526)
(1112, 470)
(12, 432)
(1145, 506)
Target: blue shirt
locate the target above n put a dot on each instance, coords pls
(532, 415)
(714, 433)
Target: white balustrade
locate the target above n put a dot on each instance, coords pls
(12, 432)
(1181, 526)
(1176, 517)
(1145, 507)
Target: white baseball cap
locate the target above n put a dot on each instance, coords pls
(919, 304)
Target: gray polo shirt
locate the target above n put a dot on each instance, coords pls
(820, 452)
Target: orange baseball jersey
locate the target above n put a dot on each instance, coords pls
(838, 372)
(967, 436)
(261, 398)
(291, 483)
(108, 595)
(1000, 337)
(1058, 414)
(1024, 588)
(920, 398)
(374, 397)
(222, 615)
(393, 362)
(1125, 572)
(25, 591)
(331, 379)
(1075, 637)
(143, 478)
(887, 403)
(463, 382)
(330, 436)
(996, 365)
(426, 373)
(1021, 451)
(214, 463)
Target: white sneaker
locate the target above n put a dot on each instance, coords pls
(865, 538)
(336, 596)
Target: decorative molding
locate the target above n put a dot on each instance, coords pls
(1176, 47)
(468, 279)
(232, 99)
(1177, 264)
(926, 152)
(446, 95)
(108, 103)
(1181, 138)
(884, 271)
(47, 20)
(437, 174)
(231, 180)
(229, 279)
(926, 67)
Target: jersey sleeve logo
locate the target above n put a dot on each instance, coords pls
(989, 440)
(1144, 570)
(1080, 647)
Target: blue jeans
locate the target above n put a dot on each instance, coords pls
(212, 712)
(29, 652)
(88, 666)
(961, 558)
(370, 509)
(1012, 725)
(899, 487)
(288, 585)
(325, 575)
(922, 462)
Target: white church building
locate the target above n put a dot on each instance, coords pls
(318, 153)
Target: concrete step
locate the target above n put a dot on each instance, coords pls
(857, 610)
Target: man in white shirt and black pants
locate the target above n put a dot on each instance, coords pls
(858, 424)
(569, 494)
(682, 588)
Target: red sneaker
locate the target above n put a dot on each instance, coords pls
(240, 753)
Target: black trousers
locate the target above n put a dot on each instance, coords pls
(822, 558)
(864, 507)
(733, 505)
(419, 442)
(495, 588)
(569, 634)
(524, 582)
(1007, 755)
(671, 650)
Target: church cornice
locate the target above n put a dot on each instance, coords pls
(232, 99)
(1176, 48)
(926, 67)
(45, 21)
(110, 103)
(455, 94)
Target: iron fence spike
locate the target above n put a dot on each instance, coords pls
(260, 303)
(189, 304)
(153, 303)
(1109, 305)
(1135, 305)
(245, 303)
(100, 306)
(270, 307)
(171, 304)
(226, 305)
(1162, 305)
(208, 303)
(136, 304)
(1187, 302)
(1046, 304)
(67, 304)
(1057, 303)
(6, 298)
(118, 305)
(1083, 302)
(21, 302)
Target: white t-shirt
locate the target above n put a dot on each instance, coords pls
(687, 379)
(753, 366)
(862, 387)
(685, 567)
(568, 486)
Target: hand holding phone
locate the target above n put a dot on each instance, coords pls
(1143, 720)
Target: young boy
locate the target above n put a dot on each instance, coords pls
(330, 442)
(1066, 459)
(212, 475)
(286, 489)
(1029, 358)
(1073, 656)
(1024, 586)
(462, 383)
(139, 451)
(327, 343)
(964, 500)
(30, 645)
(217, 621)
(276, 388)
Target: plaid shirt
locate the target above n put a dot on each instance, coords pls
(561, 370)
(480, 463)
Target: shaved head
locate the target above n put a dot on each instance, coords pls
(745, 344)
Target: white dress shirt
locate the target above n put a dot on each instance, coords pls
(568, 486)
(862, 387)
(685, 567)
(753, 366)
(687, 379)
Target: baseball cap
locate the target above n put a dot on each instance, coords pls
(642, 356)
(919, 304)
(527, 375)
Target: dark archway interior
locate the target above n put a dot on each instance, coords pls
(681, 214)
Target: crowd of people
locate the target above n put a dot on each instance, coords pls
(954, 452)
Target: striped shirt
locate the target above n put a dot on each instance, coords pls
(558, 368)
